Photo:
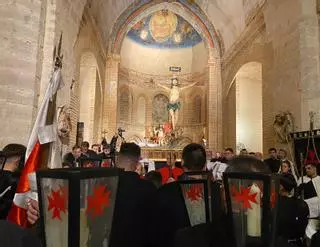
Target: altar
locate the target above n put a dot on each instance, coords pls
(160, 154)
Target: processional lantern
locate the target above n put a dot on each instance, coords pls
(77, 206)
(251, 200)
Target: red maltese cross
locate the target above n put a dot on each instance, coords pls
(57, 203)
(98, 201)
(244, 197)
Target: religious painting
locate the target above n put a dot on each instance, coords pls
(159, 109)
(164, 29)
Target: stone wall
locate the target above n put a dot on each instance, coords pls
(21, 22)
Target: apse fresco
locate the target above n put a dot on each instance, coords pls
(164, 29)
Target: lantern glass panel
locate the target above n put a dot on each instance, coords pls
(246, 199)
(55, 211)
(97, 200)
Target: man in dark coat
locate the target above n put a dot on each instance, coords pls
(273, 162)
(12, 235)
(9, 176)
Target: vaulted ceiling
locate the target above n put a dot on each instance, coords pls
(227, 16)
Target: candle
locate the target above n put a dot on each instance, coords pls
(254, 214)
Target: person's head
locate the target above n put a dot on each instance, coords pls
(228, 153)
(311, 170)
(253, 154)
(106, 149)
(129, 156)
(272, 153)
(287, 184)
(171, 159)
(259, 155)
(245, 163)
(155, 178)
(282, 154)
(85, 147)
(285, 166)
(14, 154)
(243, 151)
(95, 148)
(66, 165)
(174, 82)
(76, 151)
(194, 157)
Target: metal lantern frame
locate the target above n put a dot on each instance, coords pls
(74, 176)
(269, 219)
(205, 193)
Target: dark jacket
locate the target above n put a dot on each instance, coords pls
(8, 186)
(133, 217)
(12, 235)
(273, 164)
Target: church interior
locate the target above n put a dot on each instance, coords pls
(230, 75)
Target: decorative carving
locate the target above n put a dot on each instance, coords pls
(64, 122)
(283, 125)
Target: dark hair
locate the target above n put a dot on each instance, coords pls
(15, 150)
(194, 157)
(131, 151)
(75, 147)
(252, 153)
(155, 178)
(95, 145)
(287, 162)
(229, 149)
(106, 146)
(288, 182)
(272, 149)
(244, 163)
(85, 144)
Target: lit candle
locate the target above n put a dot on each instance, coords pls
(254, 214)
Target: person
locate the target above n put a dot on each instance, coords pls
(311, 182)
(174, 99)
(282, 154)
(286, 168)
(72, 158)
(9, 176)
(171, 205)
(133, 218)
(292, 213)
(12, 235)
(273, 163)
(155, 178)
(86, 152)
(259, 156)
(170, 172)
(253, 154)
(105, 156)
(96, 148)
(228, 155)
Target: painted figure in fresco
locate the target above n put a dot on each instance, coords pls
(174, 99)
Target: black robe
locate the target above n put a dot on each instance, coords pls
(8, 186)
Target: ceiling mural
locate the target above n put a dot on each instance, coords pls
(164, 29)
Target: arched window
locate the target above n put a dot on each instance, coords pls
(159, 109)
(124, 106)
(197, 110)
(141, 110)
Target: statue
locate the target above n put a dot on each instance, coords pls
(283, 126)
(174, 99)
(64, 122)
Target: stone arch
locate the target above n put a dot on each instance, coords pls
(190, 12)
(90, 97)
(248, 84)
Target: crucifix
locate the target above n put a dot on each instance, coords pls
(174, 104)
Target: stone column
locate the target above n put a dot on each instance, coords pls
(111, 95)
(214, 103)
(148, 116)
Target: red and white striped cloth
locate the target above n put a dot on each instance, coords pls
(18, 212)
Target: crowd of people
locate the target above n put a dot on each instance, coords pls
(150, 209)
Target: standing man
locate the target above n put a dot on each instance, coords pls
(86, 151)
(273, 163)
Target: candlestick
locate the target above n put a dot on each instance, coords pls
(254, 214)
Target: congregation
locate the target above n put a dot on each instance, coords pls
(150, 210)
